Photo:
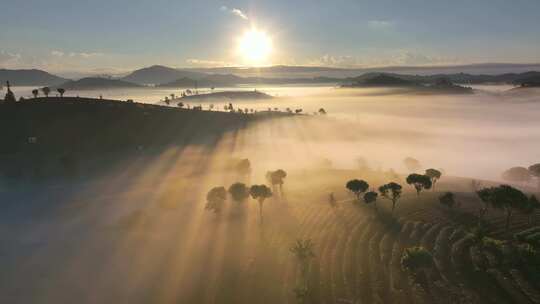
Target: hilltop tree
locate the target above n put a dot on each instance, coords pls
(357, 187)
(391, 191)
(276, 178)
(506, 198)
(46, 91)
(448, 200)
(419, 182)
(35, 92)
(260, 193)
(517, 175)
(434, 175)
(239, 192)
(371, 198)
(534, 170)
(9, 97)
(215, 199)
(529, 208)
(412, 164)
(61, 91)
(243, 168)
(418, 261)
(322, 111)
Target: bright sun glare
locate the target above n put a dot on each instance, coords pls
(255, 47)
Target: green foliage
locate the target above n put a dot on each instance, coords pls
(239, 192)
(303, 249)
(447, 199)
(434, 175)
(492, 244)
(520, 236)
(419, 182)
(504, 197)
(260, 192)
(370, 197)
(416, 258)
(391, 191)
(357, 187)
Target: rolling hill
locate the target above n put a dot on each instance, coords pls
(93, 83)
(30, 78)
(158, 74)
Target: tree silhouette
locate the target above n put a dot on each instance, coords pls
(506, 198)
(419, 182)
(529, 208)
(9, 97)
(534, 170)
(391, 191)
(357, 187)
(303, 250)
(181, 105)
(35, 92)
(239, 192)
(412, 164)
(517, 174)
(215, 199)
(46, 91)
(418, 261)
(276, 178)
(434, 175)
(371, 198)
(243, 168)
(260, 193)
(322, 111)
(448, 200)
(61, 91)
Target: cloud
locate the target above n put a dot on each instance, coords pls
(207, 63)
(84, 55)
(235, 11)
(9, 59)
(57, 53)
(381, 24)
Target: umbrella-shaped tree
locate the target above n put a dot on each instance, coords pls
(357, 187)
(391, 191)
(434, 175)
(504, 197)
(215, 199)
(419, 182)
(260, 193)
(239, 192)
(371, 198)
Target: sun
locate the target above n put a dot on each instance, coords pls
(255, 47)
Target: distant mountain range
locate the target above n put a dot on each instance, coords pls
(276, 75)
(159, 74)
(94, 83)
(29, 78)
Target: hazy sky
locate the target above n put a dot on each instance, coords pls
(72, 35)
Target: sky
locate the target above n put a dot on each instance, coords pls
(114, 36)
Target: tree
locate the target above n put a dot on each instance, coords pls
(239, 192)
(46, 91)
(517, 174)
(303, 250)
(9, 97)
(418, 261)
(357, 187)
(529, 208)
(412, 164)
(534, 170)
(371, 197)
(61, 91)
(506, 198)
(215, 199)
(448, 200)
(276, 178)
(260, 193)
(181, 105)
(391, 191)
(434, 175)
(35, 92)
(419, 182)
(244, 167)
(322, 111)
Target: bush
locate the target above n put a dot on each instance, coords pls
(493, 244)
(520, 236)
(416, 258)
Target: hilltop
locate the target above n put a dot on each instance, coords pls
(94, 83)
(159, 74)
(29, 78)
